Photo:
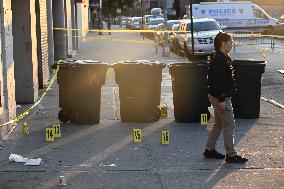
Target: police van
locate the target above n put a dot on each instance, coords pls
(234, 15)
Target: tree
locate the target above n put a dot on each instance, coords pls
(110, 6)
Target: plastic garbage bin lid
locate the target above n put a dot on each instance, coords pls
(188, 65)
(249, 62)
(142, 63)
(87, 61)
(83, 63)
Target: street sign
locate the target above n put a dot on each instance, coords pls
(118, 10)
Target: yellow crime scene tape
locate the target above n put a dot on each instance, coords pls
(117, 39)
(162, 31)
(117, 31)
(257, 35)
(25, 113)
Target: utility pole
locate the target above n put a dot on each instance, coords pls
(166, 11)
(166, 48)
(100, 17)
(142, 17)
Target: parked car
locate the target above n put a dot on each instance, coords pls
(173, 38)
(123, 20)
(153, 24)
(135, 23)
(161, 27)
(159, 30)
(205, 29)
(156, 11)
(147, 18)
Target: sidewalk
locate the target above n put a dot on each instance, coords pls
(104, 156)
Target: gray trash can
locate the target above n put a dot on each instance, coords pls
(190, 94)
(80, 91)
(139, 90)
(246, 102)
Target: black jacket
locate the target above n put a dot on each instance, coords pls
(221, 83)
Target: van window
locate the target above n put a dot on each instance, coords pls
(203, 26)
(259, 14)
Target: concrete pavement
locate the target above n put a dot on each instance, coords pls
(104, 156)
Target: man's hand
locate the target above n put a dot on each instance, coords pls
(221, 106)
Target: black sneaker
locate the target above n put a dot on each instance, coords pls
(236, 159)
(213, 154)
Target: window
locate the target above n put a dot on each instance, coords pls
(259, 14)
(170, 24)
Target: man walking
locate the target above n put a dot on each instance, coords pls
(221, 87)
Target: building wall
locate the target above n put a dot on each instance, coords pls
(274, 11)
(50, 32)
(8, 103)
(269, 3)
(274, 8)
(42, 43)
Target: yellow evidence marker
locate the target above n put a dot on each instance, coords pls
(164, 112)
(57, 131)
(165, 137)
(137, 135)
(49, 134)
(25, 129)
(204, 119)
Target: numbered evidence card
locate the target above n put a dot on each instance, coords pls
(165, 137)
(49, 134)
(137, 135)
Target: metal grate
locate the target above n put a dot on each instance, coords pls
(206, 40)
